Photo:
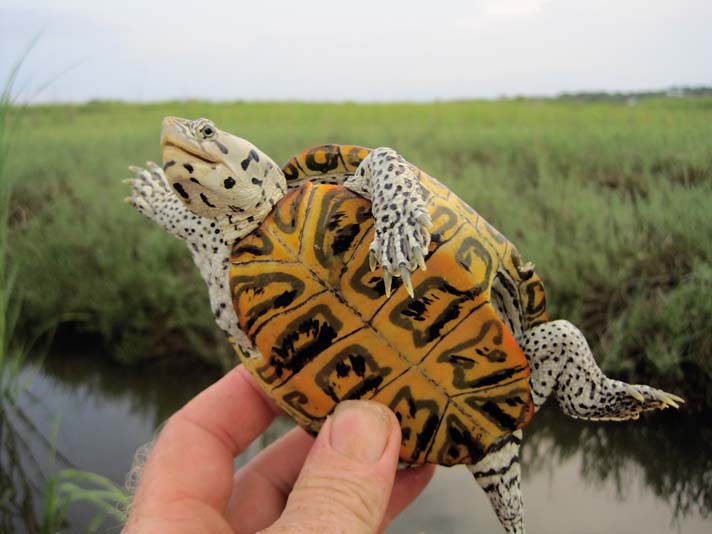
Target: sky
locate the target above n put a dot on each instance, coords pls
(363, 50)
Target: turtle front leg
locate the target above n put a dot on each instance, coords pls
(153, 198)
(561, 362)
(499, 475)
(401, 219)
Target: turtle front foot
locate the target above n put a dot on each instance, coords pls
(401, 248)
(402, 222)
(149, 190)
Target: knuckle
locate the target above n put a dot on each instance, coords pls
(342, 496)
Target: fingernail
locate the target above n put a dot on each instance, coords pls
(360, 430)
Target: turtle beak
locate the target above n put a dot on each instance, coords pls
(171, 128)
(176, 134)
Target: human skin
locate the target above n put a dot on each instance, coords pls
(346, 480)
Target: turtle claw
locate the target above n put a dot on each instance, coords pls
(677, 399)
(387, 281)
(401, 219)
(424, 220)
(646, 399)
(149, 190)
(372, 260)
(405, 276)
(401, 253)
(420, 259)
(634, 393)
(157, 171)
(665, 398)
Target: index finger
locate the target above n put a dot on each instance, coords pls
(193, 456)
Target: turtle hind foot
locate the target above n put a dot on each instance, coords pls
(562, 363)
(631, 400)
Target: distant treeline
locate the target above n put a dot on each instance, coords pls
(672, 92)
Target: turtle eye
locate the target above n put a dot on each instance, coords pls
(207, 131)
(204, 128)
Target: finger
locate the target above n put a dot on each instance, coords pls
(410, 482)
(348, 476)
(192, 460)
(261, 488)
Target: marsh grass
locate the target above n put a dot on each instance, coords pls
(610, 201)
(71, 486)
(21, 471)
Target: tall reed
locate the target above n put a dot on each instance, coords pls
(10, 356)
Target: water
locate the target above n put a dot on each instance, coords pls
(653, 476)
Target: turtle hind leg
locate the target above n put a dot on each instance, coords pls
(561, 362)
(499, 475)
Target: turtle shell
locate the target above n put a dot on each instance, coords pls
(444, 361)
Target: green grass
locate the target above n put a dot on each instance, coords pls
(610, 201)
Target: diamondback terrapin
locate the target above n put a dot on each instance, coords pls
(450, 331)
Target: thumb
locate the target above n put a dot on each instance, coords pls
(347, 478)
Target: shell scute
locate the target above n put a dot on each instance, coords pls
(324, 160)
(419, 408)
(352, 367)
(330, 237)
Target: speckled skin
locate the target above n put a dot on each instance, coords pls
(210, 205)
(562, 364)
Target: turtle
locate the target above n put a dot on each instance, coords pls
(349, 273)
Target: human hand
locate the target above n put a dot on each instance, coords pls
(345, 480)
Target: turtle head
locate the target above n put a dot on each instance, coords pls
(216, 173)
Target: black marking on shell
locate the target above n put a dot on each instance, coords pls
(503, 419)
(495, 378)
(459, 438)
(352, 374)
(331, 155)
(291, 172)
(353, 157)
(304, 340)
(410, 424)
(345, 238)
(411, 314)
